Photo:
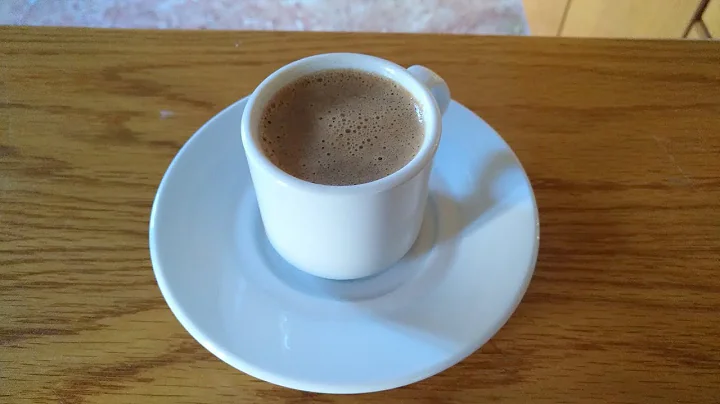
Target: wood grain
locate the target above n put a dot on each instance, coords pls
(545, 17)
(629, 18)
(620, 139)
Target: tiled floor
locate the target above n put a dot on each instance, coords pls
(450, 16)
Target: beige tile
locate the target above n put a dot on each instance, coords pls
(698, 30)
(711, 18)
(545, 17)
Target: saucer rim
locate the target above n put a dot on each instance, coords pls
(240, 364)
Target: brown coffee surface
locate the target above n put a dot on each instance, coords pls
(341, 127)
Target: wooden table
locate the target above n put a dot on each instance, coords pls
(620, 138)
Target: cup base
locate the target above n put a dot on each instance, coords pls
(332, 274)
(367, 287)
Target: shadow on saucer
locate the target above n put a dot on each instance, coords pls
(490, 195)
(392, 295)
(495, 191)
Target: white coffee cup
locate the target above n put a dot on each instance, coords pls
(353, 231)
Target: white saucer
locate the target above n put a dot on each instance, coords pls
(458, 285)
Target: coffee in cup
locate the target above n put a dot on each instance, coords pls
(341, 127)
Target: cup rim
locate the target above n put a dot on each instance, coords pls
(395, 72)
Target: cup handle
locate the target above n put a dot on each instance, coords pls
(437, 86)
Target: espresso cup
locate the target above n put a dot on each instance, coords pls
(352, 231)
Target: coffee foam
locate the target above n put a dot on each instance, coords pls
(341, 127)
